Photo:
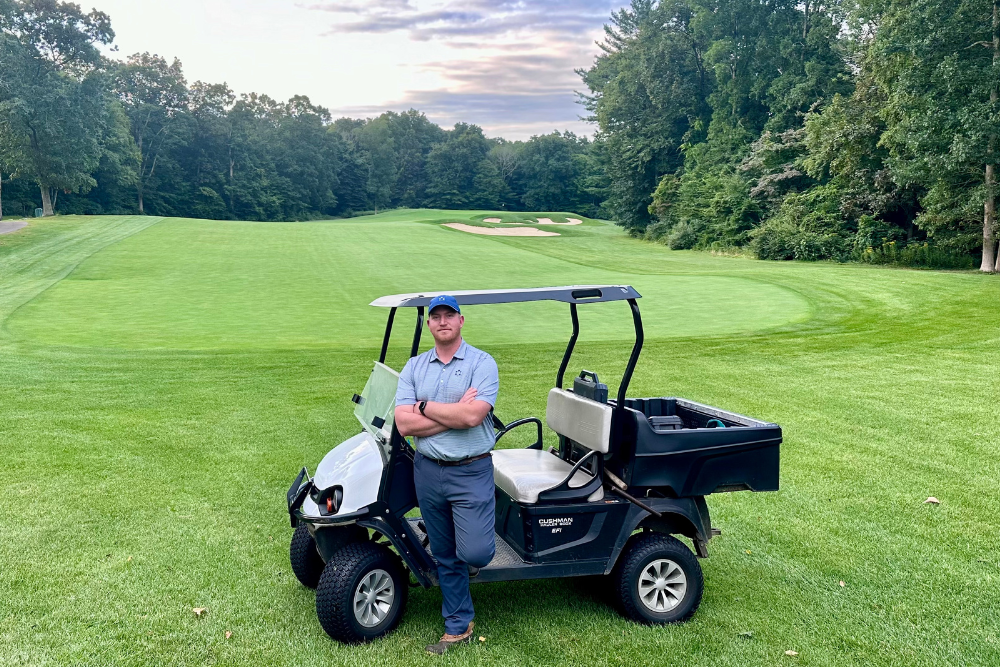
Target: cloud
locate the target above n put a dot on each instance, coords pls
(467, 18)
(511, 94)
(512, 116)
(514, 71)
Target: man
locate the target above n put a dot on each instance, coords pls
(444, 400)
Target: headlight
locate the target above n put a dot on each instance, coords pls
(329, 499)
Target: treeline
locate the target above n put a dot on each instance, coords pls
(804, 129)
(791, 129)
(83, 133)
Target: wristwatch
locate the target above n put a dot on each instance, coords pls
(421, 406)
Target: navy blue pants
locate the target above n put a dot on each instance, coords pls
(459, 509)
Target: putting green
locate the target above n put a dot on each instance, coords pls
(188, 284)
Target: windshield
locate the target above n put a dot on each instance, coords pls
(378, 402)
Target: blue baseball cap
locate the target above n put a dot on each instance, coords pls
(444, 300)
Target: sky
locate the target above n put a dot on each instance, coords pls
(506, 66)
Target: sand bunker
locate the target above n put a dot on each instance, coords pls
(499, 231)
(12, 226)
(569, 221)
(492, 220)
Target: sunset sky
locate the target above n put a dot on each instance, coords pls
(507, 66)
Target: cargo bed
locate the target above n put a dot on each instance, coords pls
(682, 448)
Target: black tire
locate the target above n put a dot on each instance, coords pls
(642, 552)
(343, 576)
(306, 561)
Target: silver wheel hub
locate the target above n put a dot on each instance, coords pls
(373, 598)
(662, 585)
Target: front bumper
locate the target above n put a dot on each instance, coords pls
(297, 494)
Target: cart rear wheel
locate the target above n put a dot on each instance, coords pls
(658, 580)
(306, 561)
(362, 593)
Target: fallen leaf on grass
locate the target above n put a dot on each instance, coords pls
(932, 500)
(791, 653)
(482, 639)
(198, 611)
(228, 634)
(748, 552)
(842, 584)
(128, 560)
(747, 635)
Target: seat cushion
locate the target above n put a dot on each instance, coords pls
(524, 473)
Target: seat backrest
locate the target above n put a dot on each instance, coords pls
(585, 422)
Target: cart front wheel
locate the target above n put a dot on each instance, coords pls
(306, 561)
(658, 580)
(362, 593)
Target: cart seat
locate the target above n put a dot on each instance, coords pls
(524, 473)
(583, 420)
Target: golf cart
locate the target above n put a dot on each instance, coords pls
(627, 476)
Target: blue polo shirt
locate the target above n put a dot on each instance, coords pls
(426, 378)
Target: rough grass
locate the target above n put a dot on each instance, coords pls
(162, 381)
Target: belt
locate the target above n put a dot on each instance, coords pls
(461, 462)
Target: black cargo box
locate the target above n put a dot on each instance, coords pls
(739, 453)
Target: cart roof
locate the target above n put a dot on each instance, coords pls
(567, 294)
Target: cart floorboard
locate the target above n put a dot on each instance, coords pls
(508, 566)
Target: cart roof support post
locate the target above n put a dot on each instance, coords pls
(385, 339)
(634, 358)
(569, 346)
(416, 333)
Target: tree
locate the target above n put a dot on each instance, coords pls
(938, 62)
(550, 170)
(686, 87)
(207, 160)
(10, 148)
(117, 136)
(154, 95)
(413, 136)
(11, 175)
(506, 157)
(252, 187)
(375, 140)
(454, 166)
(55, 103)
(305, 158)
(649, 95)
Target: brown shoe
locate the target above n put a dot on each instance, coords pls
(447, 641)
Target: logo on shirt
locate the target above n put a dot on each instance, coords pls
(458, 372)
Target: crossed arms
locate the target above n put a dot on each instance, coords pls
(440, 417)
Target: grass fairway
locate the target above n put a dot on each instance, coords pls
(161, 381)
